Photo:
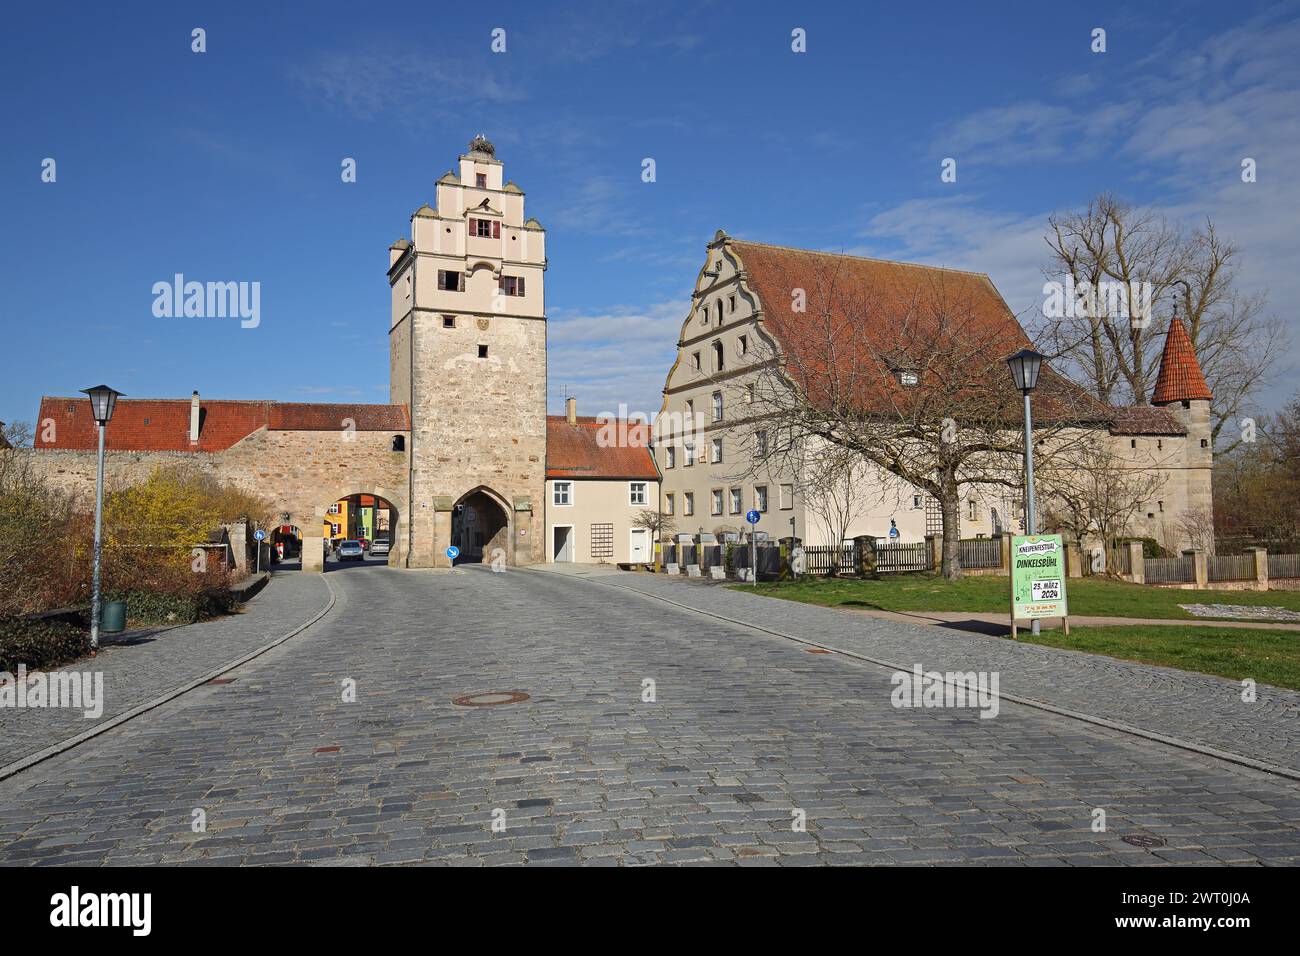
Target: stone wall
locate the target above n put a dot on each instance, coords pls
(300, 473)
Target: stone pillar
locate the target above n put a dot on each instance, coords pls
(1004, 551)
(864, 548)
(1261, 568)
(1137, 570)
(934, 545)
(313, 550)
(237, 536)
(1073, 560)
(1200, 566)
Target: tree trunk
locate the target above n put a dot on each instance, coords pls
(951, 506)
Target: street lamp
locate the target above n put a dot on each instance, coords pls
(1025, 366)
(102, 402)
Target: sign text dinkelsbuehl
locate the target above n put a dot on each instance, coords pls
(1038, 579)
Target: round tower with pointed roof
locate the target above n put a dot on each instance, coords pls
(1181, 388)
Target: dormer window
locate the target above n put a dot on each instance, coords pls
(908, 378)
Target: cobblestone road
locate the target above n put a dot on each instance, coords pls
(747, 732)
(142, 670)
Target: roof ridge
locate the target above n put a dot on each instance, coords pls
(849, 255)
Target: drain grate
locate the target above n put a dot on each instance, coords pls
(1146, 842)
(490, 698)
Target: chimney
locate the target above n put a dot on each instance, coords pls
(571, 410)
(194, 418)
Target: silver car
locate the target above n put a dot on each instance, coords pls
(379, 546)
(351, 551)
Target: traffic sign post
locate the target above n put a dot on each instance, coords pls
(1038, 579)
(453, 553)
(752, 517)
(259, 536)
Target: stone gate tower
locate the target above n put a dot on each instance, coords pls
(467, 349)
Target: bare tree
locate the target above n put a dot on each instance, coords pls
(1112, 342)
(834, 490)
(16, 434)
(656, 522)
(909, 378)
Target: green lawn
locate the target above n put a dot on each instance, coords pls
(1087, 596)
(1267, 657)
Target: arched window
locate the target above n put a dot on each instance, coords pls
(717, 356)
(399, 443)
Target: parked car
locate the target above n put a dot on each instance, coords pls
(351, 550)
(380, 546)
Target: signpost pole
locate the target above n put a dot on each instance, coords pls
(1031, 519)
(752, 517)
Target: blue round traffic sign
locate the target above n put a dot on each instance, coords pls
(453, 552)
(752, 517)
(259, 534)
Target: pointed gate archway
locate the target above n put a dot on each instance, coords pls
(481, 527)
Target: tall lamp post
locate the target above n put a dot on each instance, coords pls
(102, 401)
(1024, 367)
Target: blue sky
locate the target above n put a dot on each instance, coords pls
(225, 165)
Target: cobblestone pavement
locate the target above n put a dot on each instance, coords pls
(1198, 708)
(142, 670)
(746, 732)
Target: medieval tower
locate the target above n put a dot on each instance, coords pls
(467, 349)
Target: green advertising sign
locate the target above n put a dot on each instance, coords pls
(1037, 576)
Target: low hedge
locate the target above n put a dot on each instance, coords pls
(40, 644)
(160, 607)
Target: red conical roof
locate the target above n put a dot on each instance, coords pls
(1180, 378)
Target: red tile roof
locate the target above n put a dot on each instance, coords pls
(599, 448)
(1180, 378)
(883, 316)
(1145, 420)
(163, 424)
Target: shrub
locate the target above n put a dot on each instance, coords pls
(1150, 547)
(40, 643)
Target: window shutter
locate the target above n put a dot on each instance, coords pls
(496, 229)
(520, 280)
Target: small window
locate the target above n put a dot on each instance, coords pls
(1160, 506)
(399, 443)
(909, 378)
(450, 281)
(717, 357)
(735, 501)
(636, 493)
(760, 443)
(719, 313)
(1205, 443)
(731, 303)
(760, 498)
(512, 285)
(334, 531)
(787, 497)
(749, 393)
(742, 345)
(482, 351)
(688, 503)
(448, 321)
(1160, 444)
(916, 501)
(972, 510)
(717, 406)
(482, 228)
(669, 503)
(690, 455)
(334, 508)
(715, 506)
(1132, 443)
(670, 457)
(695, 361)
(562, 493)
(715, 451)
(480, 180)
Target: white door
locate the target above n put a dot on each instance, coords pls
(640, 551)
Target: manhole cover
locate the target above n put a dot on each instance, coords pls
(490, 698)
(1148, 842)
